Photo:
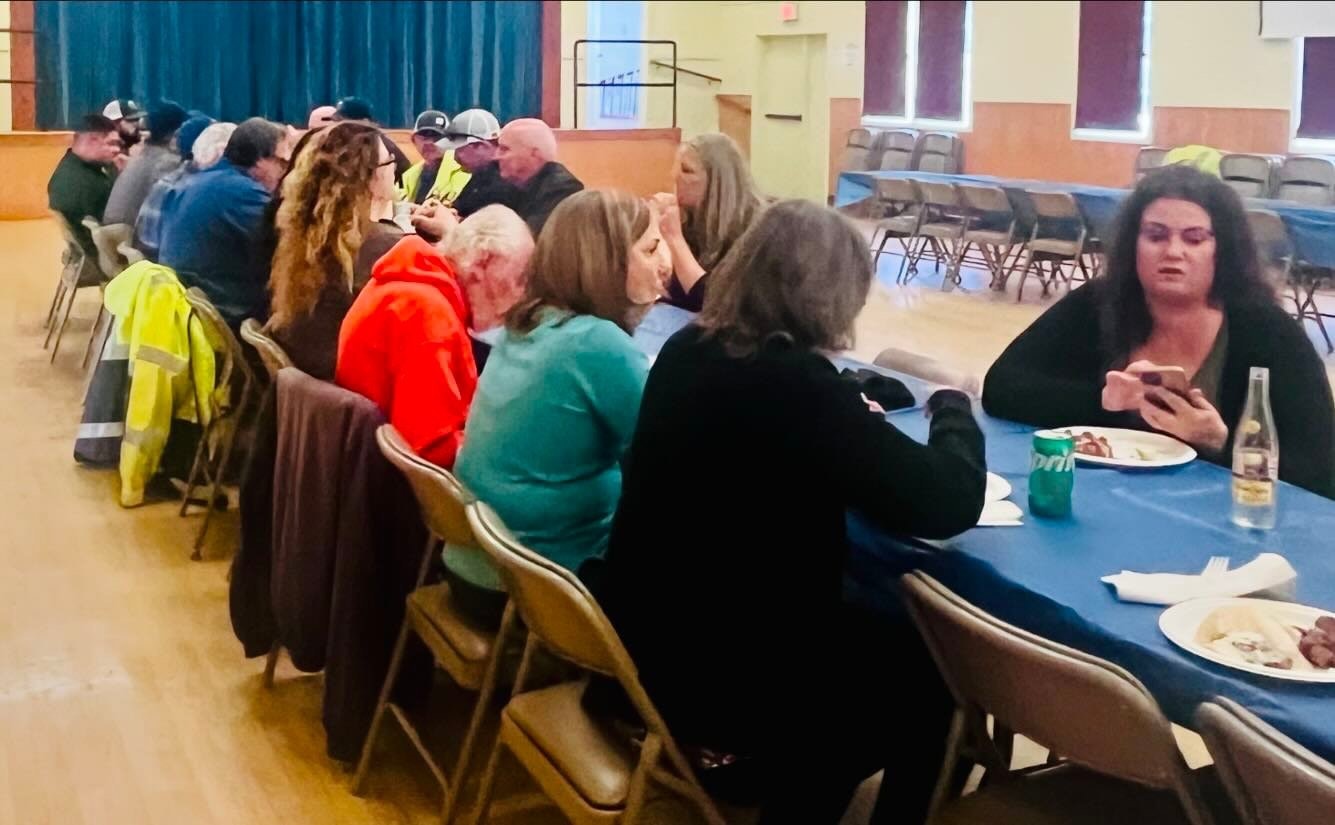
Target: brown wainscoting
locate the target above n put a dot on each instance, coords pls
(638, 161)
(734, 119)
(845, 116)
(1231, 130)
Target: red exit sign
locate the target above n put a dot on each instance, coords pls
(787, 12)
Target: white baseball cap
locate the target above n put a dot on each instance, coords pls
(123, 109)
(470, 126)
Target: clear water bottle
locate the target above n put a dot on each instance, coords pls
(1256, 457)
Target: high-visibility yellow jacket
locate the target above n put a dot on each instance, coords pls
(1204, 158)
(171, 367)
(450, 180)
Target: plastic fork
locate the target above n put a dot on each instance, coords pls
(1215, 566)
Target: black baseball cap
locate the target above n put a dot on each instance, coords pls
(431, 122)
(352, 108)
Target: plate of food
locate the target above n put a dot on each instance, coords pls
(1112, 447)
(1276, 639)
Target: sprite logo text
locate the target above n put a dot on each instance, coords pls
(1052, 463)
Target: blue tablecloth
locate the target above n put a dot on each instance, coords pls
(1312, 228)
(1044, 576)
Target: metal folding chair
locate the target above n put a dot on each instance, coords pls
(213, 456)
(1251, 176)
(270, 351)
(897, 147)
(1307, 179)
(1148, 159)
(1284, 272)
(856, 151)
(1057, 239)
(941, 228)
(989, 226)
(79, 270)
(130, 254)
(938, 152)
(899, 206)
(470, 655)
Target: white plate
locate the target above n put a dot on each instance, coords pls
(997, 488)
(1179, 624)
(1160, 450)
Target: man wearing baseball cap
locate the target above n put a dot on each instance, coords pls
(127, 116)
(472, 138)
(438, 175)
(156, 160)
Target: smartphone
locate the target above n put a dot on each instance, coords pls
(1170, 378)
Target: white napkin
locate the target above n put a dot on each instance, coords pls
(1266, 571)
(1000, 514)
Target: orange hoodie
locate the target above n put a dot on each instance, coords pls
(404, 344)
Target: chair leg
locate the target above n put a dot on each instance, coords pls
(93, 335)
(488, 787)
(944, 780)
(639, 780)
(953, 277)
(395, 663)
(1024, 273)
(196, 466)
(60, 330)
(51, 311)
(271, 663)
(876, 259)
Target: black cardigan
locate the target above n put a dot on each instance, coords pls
(724, 569)
(1052, 375)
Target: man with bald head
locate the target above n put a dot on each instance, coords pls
(526, 156)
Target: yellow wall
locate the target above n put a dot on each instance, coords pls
(1209, 54)
(1025, 52)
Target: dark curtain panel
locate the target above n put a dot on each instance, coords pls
(1111, 39)
(940, 59)
(280, 58)
(884, 57)
(1317, 119)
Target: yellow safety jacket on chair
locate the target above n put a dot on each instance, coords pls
(171, 367)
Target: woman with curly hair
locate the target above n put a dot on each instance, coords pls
(340, 185)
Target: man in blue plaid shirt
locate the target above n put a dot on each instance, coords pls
(200, 142)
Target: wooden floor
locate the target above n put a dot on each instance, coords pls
(124, 697)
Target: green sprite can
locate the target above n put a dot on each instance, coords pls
(1051, 474)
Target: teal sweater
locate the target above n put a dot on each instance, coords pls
(554, 412)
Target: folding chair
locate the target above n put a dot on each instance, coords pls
(107, 239)
(470, 655)
(856, 151)
(899, 209)
(938, 152)
(591, 776)
(130, 254)
(1270, 779)
(213, 461)
(897, 149)
(79, 270)
(1148, 159)
(271, 353)
(989, 225)
(1251, 176)
(1119, 760)
(1307, 179)
(1057, 218)
(941, 227)
(1284, 273)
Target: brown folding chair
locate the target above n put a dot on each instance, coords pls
(989, 226)
(270, 351)
(1284, 273)
(857, 150)
(897, 147)
(233, 373)
(591, 776)
(1058, 238)
(470, 655)
(79, 270)
(1120, 764)
(1306, 179)
(940, 230)
(1270, 779)
(899, 213)
(130, 254)
(1148, 159)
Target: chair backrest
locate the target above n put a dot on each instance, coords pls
(938, 152)
(857, 151)
(897, 149)
(271, 353)
(897, 192)
(1054, 205)
(1270, 779)
(222, 339)
(861, 138)
(130, 254)
(943, 195)
(1251, 176)
(80, 268)
(989, 199)
(1084, 708)
(1307, 179)
(1273, 243)
(107, 239)
(1149, 157)
(443, 499)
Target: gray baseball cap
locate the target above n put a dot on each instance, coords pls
(470, 126)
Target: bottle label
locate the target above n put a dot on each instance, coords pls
(1253, 492)
(1052, 463)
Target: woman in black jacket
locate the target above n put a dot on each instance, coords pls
(725, 564)
(1184, 288)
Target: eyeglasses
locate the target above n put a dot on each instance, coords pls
(1191, 236)
(385, 163)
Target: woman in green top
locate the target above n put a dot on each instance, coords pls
(556, 406)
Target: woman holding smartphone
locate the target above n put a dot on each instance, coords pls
(1183, 307)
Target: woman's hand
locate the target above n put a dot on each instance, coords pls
(1123, 389)
(1191, 418)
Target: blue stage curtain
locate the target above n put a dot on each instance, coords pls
(280, 58)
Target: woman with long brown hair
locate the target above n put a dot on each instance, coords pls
(556, 405)
(716, 200)
(341, 180)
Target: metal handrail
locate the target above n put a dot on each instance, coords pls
(579, 85)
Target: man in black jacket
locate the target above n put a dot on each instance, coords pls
(81, 183)
(526, 156)
(472, 137)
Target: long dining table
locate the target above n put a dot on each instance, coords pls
(1311, 228)
(1044, 576)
